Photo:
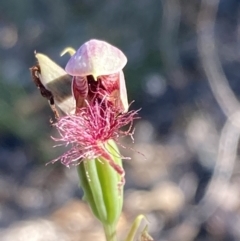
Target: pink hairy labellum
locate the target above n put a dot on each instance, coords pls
(89, 130)
(98, 61)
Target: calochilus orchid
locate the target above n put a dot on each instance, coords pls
(99, 89)
(91, 122)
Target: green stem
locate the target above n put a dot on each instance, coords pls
(110, 232)
(134, 227)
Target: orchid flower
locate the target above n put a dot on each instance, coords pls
(91, 95)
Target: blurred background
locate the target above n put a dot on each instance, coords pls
(183, 71)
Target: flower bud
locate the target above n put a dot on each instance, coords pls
(102, 185)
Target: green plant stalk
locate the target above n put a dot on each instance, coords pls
(102, 189)
(110, 232)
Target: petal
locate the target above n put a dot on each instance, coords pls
(49, 69)
(123, 92)
(56, 80)
(110, 82)
(96, 58)
(80, 90)
(116, 87)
